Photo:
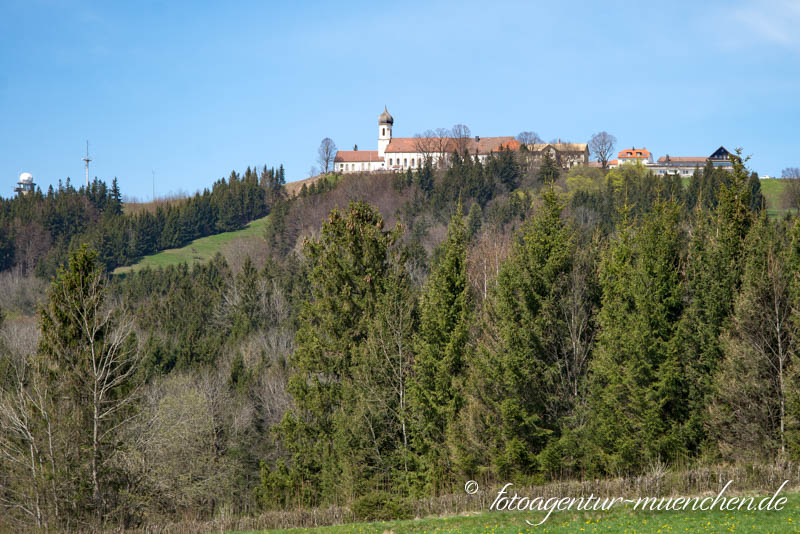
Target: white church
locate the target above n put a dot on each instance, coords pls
(402, 153)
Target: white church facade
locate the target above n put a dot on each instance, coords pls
(403, 153)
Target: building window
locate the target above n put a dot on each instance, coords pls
(390, 161)
(383, 132)
(412, 162)
(405, 162)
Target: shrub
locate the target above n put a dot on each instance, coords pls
(381, 506)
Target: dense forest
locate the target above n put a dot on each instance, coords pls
(392, 336)
(37, 231)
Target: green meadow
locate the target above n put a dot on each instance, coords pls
(772, 189)
(199, 250)
(623, 520)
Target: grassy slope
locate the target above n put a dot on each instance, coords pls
(619, 519)
(202, 249)
(772, 189)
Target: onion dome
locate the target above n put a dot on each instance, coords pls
(385, 118)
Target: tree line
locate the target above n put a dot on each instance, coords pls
(38, 230)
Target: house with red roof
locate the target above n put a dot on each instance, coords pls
(632, 155)
(666, 165)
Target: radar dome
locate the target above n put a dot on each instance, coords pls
(25, 178)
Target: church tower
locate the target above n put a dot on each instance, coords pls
(385, 122)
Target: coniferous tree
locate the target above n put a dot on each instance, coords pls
(750, 412)
(517, 382)
(474, 220)
(425, 177)
(548, 171)
(331, 454)
(641, 303)
(441, 350)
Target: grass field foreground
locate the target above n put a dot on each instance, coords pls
(621, 519)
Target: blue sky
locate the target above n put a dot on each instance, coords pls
(193, 90)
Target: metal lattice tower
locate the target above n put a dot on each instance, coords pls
(87, 160)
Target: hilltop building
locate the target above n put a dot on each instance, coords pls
(680, 165)
(685, 166)
(402, 153)
(25, 184)
(567, 155)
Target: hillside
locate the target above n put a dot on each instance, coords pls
(199, 250)
(293, 188)
(367, 265)
(203, 249)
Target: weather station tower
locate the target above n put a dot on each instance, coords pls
(25, 184)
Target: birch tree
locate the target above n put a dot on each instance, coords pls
(90, 356)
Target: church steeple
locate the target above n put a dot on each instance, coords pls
(385, 123)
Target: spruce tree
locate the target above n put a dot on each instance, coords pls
(517, 380)
(330, 450)
(441, 351)
(548, 172)
(713, 278)
(641, 302)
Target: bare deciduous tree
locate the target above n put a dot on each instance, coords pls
(461, 135)
(791, 193)
(389, 357)
(425, 143)
(27, 445)
(112, 360)
(602, 146)
(442, 144)
(748, 415)
(173, 450)
(326, 154)
(529, 138)
(576, 307)
(484, 260)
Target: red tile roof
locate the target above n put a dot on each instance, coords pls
(356, 156)
(484, 145)
(634, 153)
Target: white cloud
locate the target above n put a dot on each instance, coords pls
(775, 22)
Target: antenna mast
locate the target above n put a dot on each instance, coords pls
(87, 160)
